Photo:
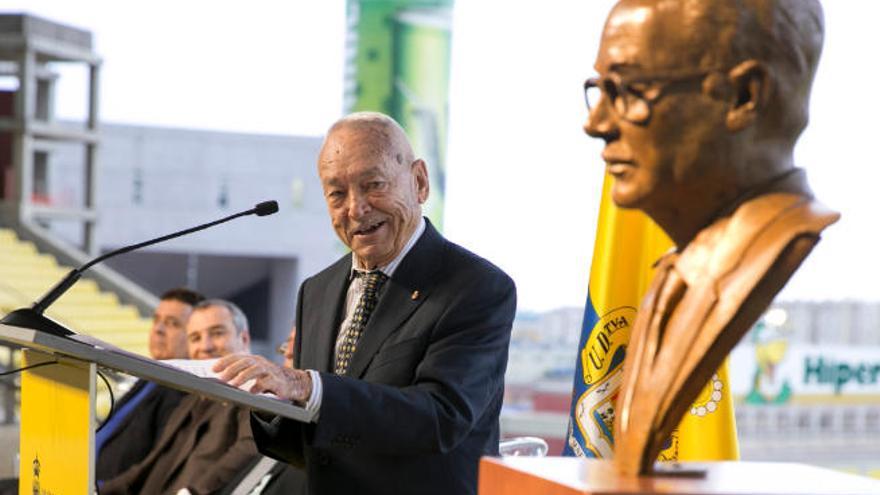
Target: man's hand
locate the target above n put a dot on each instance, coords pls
(287, 383)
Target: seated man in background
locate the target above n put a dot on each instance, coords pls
(204, 443)
(218, 328)
(126, 438)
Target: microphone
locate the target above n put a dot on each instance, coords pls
(265, 208)
(33, 317)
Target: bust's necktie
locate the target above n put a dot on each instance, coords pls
(372, 283)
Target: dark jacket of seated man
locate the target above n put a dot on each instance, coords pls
(134, 427)
(202, 448)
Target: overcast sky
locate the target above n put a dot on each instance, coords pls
(523, 179)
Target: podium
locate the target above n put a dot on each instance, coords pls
(575, 476)
(57, 446)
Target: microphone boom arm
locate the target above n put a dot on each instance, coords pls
(33, 317)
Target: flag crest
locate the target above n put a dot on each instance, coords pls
(627, 245)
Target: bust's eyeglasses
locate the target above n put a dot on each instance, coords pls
(282, 348)
(632, 98)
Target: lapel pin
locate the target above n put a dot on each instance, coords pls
(415, 295)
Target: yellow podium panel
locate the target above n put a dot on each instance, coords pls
(57, 426)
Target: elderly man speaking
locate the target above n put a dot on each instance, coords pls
(402, 344)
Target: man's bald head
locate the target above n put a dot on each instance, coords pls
(382, 136)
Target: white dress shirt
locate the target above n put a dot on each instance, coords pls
(355, 289)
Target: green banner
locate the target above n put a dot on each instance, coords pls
(398, 63)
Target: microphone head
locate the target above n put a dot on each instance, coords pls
(266, 208)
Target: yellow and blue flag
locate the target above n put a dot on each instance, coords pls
(627, 245)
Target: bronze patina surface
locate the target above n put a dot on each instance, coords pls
(700, 104)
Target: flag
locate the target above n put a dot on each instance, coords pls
(627, 245)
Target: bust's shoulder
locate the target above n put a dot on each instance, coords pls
(781, 214)
(759, 229)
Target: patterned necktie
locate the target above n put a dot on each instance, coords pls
(372, 283)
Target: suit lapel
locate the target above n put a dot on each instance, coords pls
(324, 318)
(415, 273)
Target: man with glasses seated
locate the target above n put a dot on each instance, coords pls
(700, 103)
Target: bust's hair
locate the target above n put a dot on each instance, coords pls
(385, 136)
(786, 35)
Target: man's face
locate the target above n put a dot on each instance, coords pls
(373, 200)
(210, 333)
(677, 154)
(168, 333)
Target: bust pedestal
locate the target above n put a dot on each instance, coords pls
(574, 476)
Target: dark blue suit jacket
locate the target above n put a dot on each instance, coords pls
(421, 400)
(136, 433)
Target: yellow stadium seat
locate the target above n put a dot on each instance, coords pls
(26, 274)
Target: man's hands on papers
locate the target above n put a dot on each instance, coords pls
(259, 375)
(203, 368)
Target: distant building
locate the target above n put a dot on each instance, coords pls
(544, 345)
(832, 322)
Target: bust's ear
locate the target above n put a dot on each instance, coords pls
(750, 81)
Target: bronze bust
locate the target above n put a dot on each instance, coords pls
(700, 104)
